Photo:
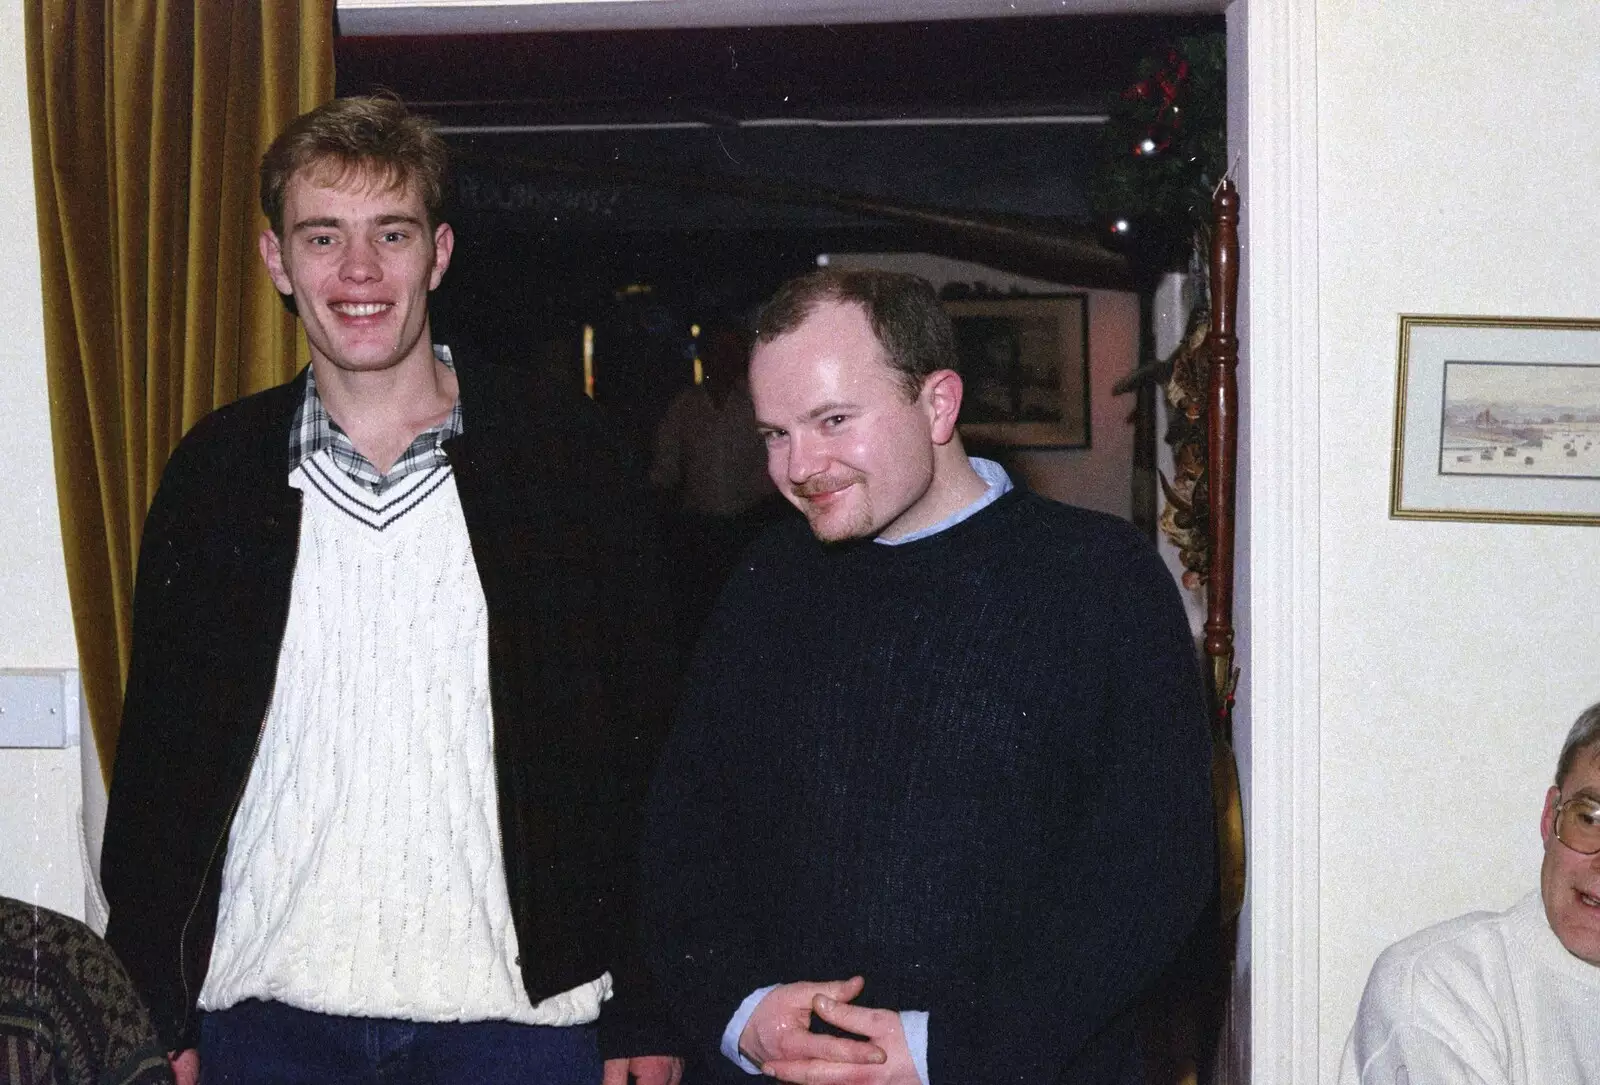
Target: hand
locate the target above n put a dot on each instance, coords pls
(882, 1027)
(780, 1027)
(185, 1066)
(645, 1069)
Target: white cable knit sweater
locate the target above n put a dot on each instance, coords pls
(1491, 998)
(363, 873)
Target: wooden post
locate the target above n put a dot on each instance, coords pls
(1223, 446)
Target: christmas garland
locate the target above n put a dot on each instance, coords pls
(1164, 149)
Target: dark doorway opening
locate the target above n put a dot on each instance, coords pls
(639, 181)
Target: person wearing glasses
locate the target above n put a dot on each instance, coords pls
(1502, 998)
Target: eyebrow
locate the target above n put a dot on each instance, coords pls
(810, 416)
(327, 223)
(828, 408)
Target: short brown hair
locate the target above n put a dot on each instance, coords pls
(904, 312)
(374, 136)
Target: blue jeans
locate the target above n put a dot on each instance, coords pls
(268, 1043)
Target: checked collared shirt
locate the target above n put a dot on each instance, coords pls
(314, 430)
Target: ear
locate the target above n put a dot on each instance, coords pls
(941, 396)
(272, 256)
(1547, 821)
(444, 243)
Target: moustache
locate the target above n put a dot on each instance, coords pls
(815, 487)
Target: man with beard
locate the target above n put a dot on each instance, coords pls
(936, 804)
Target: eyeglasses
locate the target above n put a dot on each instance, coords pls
(1578, 824)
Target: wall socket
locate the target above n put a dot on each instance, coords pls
(39, 709)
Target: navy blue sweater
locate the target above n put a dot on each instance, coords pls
(972, 768)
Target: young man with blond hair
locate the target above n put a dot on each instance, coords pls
(393, 691)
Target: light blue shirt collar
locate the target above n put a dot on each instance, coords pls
(996, 484)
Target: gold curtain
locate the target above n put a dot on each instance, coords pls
(149, 119)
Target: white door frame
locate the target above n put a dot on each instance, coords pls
(1273, 50)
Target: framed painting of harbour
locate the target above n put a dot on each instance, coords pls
(1024, 362)
(1497, 419)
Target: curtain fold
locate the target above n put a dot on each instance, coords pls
(149, 118)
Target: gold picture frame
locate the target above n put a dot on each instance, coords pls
(1497, 419)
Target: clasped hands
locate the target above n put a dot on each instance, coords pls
(778, 1037)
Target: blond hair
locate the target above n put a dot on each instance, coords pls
(374, 137)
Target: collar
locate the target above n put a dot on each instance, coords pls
(314, 430)
(996, 484)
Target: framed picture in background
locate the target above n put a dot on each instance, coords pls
(1497, 419)
(1024, 362)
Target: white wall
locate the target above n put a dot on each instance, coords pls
(1097, 477)
(1456, 173)
(39, 789)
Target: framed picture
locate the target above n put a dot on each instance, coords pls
(1024, 362)
(1497, 419)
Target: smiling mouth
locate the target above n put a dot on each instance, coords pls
(1587, 900)
(822, 490)
(821, 499)
(358, 309)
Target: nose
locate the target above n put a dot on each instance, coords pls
(806, 458)
(360, 264)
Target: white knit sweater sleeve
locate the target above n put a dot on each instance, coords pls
(1417, 1049)
(1413, 1029)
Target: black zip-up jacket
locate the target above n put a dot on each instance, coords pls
(579, 672)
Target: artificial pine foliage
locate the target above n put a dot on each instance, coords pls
(1164, 150)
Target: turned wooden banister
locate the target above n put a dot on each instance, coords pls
(1222, 344)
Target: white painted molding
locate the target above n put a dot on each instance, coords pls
(378, 17)
(1281, 348)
